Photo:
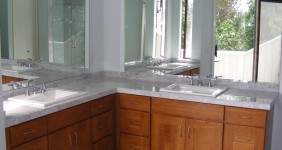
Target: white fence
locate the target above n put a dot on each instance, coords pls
(239, 64)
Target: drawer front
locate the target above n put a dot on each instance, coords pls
(248, 117)
(134, 102)
(238, 137)
(104, 144)
(135, 122)
(102, 105)
(68, 117)
(39, 144)
(188, 109)
(28, 131)
(102, 125)
(131, 142)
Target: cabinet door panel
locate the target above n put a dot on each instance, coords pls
(102, 125)
(168, 132)
(82, 135)
(243, 138)
(131, 142)
(76, 137)
(203, 135)
(104, 144)
(135, 122)
(39, 144)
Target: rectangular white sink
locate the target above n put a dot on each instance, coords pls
(193, 90)
(50, 97)
(169, 66)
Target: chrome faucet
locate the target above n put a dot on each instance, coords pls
(209, 77)
(27, 91)
(199, 80)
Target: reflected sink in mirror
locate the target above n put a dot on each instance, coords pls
(50, 97)
(15, 68)
(193, 90)
(169, 66)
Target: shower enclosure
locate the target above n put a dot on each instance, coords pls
(66, 32)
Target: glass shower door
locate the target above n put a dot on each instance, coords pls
(67, 36)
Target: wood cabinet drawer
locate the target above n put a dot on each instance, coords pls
(243, 116)
(68, 117)
(28, 131)
(102, 125)
(102, 105)
(38, 144)
(188, 109)
(104, 144)
(135, 122)
(131, 142)
(134, 102)
(238, 137)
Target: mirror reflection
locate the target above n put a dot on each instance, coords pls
(184, 30)
(49, 30)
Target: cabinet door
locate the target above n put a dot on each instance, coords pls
(243, 138)
(104, 144)
(203, 135)
(168, 132)
(76, 137)
(132, 142)
(39, 144)
(82, 134)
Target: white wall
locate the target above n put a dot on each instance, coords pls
(203, 34)
(24, 29)
(277, 121)
(173, 23)
(114, 35)
(96, 38)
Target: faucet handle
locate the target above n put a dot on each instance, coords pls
(209, 76)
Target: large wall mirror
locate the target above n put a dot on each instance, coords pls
(50, 30)
(223, 36)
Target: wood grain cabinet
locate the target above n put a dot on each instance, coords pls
(103, 123)
(38, 144)
(75, 137)
(191, 72)
(8, 79)
(134, 122)
(244, 129)
(186, 126)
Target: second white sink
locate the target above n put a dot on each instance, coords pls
(169, 66)
(51, 97)
(193, 90)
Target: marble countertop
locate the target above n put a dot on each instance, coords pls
(163, 71)
(38, 75)
(100, 86)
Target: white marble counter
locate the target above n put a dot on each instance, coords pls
(99, 86)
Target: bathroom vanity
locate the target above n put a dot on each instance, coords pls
(129, 113)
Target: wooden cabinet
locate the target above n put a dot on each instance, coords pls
(238, 137)
(8, 79)
(132, 142)
(75, 137)
(102, 126)
(134, 122)
(186, 126)
(104, 144)
(244, 129)
(38, 144)
(103, 123)
(191, 72)
(168, 132)
(203, 135)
